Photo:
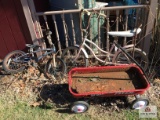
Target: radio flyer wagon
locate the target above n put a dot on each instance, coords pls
(107, 81)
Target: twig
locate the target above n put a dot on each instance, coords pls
(10, 83)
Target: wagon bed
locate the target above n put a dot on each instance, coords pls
(107, 80)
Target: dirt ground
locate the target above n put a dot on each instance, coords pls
(39, 90)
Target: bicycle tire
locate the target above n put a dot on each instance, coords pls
(13, 67)
(68, 56)
(139, 56)
(60, 69)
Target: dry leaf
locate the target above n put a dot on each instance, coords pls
(35, 104)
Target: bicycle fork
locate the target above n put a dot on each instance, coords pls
(53, 59)
(81, 49)
(120, 50)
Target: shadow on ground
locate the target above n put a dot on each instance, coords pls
(62, 98)
(2, 72)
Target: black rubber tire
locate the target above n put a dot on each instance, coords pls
(69, 54)
(138, 100)
(60, 69)
(139, 56)
(10, 66)
(79, 103)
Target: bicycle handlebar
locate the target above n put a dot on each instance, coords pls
(89, 13)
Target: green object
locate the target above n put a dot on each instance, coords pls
(93, 31)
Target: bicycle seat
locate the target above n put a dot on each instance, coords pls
(128, 33)
(32, 46)
(100, 4)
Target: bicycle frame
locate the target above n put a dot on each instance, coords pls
(51, 51)
(108, 54)
(114, 56)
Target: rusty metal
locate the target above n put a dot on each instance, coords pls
(103, 75)
(117, 20)
(73, 31)
(107, 36)
(99, 32)
(91, 9)
(84, 85)
(125, 27)
(57, 34)
(106, 80)
(65, 29)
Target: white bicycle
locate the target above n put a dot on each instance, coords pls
(77, 56)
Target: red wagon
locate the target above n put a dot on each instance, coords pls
(107, 81)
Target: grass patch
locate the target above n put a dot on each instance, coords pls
(21, 111)
(134, 115)
(14, 107)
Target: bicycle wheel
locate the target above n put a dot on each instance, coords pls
(12, 62)
(139, 56)
(68, 56)
(59, 70)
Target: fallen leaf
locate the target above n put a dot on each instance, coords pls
(35, 104)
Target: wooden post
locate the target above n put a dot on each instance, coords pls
(150, 24)
(29, 20)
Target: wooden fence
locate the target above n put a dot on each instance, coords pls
(155, 44)
(118, 18)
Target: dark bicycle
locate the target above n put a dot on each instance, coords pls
(17, 61)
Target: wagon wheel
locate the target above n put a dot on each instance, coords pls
(79, 107)
(139, 103)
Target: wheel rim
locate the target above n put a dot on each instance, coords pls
(79, 108)
(139, 57)
(139, 104)
(13, 64)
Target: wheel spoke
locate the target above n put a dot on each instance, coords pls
(12, 62)
(137, 55)
(59, 70)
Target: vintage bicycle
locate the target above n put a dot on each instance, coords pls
(17, 61)
(77, 56)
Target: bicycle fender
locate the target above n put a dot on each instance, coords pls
(84, 51)
(131, 46)
(128, 46)
(119, 50)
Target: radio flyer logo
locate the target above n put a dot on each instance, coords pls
(148, 112)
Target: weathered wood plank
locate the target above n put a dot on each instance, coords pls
(150, 24)
(23, 22)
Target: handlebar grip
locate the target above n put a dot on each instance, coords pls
(89, 13)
